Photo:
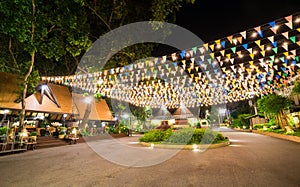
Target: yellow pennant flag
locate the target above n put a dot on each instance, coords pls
(298, 29)
(263, 53)
(192, 75)
(286, 53)
(206, 46)
(222, 52)
(183, 61)
(212, 55)
(212, 47)
(218, 41)
(252, 57)
(251, 63)
(248, 70)
(257, 42)
(262, 47)
(279, 73)
(228, 56)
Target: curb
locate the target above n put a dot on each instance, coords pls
(186, 147)
(281, 136)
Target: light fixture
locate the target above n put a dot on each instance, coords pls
(276, 27)
(269, 48)
(297, 20)
(255, 52)
(6, 111)
(254, 34)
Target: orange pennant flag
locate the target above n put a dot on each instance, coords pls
(230, 38)
(240, 39)
(289, 18)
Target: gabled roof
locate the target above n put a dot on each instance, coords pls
(99, 109)
(50, 98)
(161, 113)
(183, 112)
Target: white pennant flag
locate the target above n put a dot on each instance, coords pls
(193, 60)
(289, 24)
(202, 50)
(286, 35)
(243, 34)
(271, 38)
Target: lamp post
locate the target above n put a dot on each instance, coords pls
(5, 112)
(65, 115)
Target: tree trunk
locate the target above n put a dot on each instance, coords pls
(282, 119)
(86, 115)
(23, 111)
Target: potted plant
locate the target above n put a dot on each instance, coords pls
(33, 136)
(61, 135)
(62, 132)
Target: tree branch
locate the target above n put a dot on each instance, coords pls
(98, 15)
(12, 53)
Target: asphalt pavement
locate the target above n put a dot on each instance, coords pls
(250, 160)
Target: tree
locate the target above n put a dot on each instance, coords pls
(275, 105)
(296, 88)
(49, 30)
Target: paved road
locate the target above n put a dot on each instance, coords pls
(251, 160)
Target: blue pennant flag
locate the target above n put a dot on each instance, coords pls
(182, 54)
(223, 44)
(272, 24)
(245, 46)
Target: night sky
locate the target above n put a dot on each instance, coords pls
(211, 20)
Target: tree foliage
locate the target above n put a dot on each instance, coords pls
(296, 88)
(274, 105)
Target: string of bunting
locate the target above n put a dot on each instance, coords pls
(258, 61)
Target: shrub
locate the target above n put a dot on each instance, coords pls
(182, 136)
(195, 136)
(154, 136)
(4, 130)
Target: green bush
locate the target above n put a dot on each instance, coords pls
(258, 126)
(183, 136)
(154, 136)
(34, 133)
(4, 130)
